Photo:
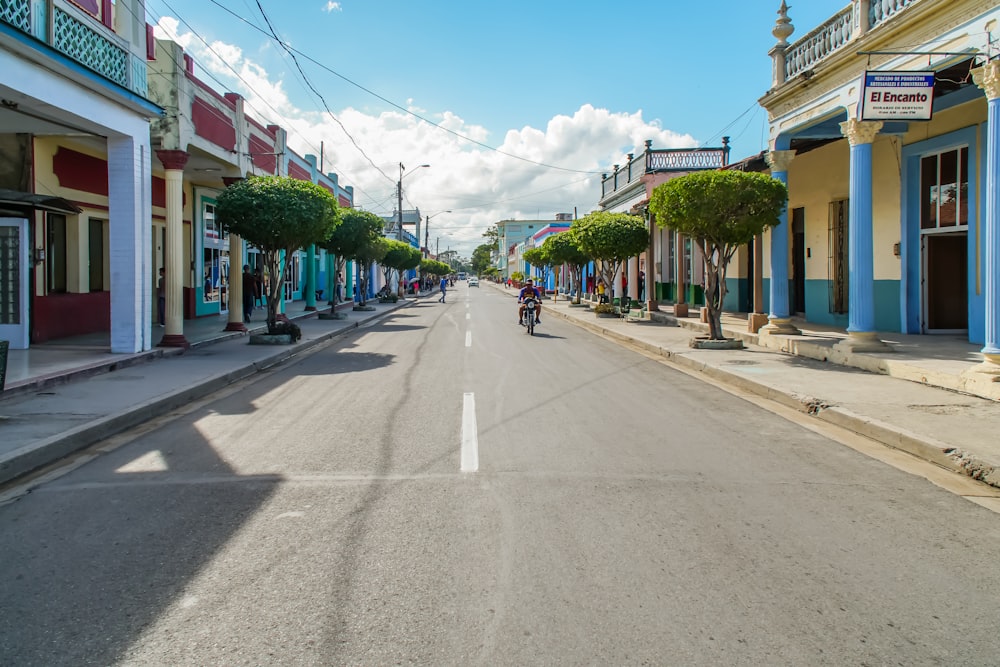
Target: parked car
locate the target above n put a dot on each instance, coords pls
(473, 281)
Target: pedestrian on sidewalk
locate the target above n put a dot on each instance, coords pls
(161, 298)
(249, 292)
(444, 288)
(340, 287)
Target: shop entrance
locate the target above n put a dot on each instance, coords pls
(945, 283)
(944, 253)
(14, 265)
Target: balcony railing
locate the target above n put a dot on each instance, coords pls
(849, 24)
(660, 160)
(820, 43)
(80, 38)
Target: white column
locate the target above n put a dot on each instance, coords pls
(130, 212)
(633, 278)
(173, 162)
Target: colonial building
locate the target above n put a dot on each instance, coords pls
(76, 168)
(112, 153)
(883, 123)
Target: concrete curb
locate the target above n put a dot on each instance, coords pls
(40, 453)
(928, 449)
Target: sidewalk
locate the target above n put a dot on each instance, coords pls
(48, 414)
(910, 399)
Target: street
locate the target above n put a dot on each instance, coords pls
(440, 488)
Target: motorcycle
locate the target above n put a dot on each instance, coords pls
(529, 315)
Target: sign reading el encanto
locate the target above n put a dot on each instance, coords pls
(898, 96)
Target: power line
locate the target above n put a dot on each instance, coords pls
(291, 49)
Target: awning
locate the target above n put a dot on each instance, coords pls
(18, 202)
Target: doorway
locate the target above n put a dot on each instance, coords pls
(14, 266)
(945, 283)
(798, 230)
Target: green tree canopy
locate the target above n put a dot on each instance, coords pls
(562, 248)
(538, 257)
(492, 236)
(720, 211)
(610, 239)
(482, 256)
(400, 256)
(277, 215)
(434, 267)
(356, 230)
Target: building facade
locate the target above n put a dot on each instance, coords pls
(75, 74)
(892, 221)
(131, 205)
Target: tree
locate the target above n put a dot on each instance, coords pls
(492, 236)
(539, 257)
(481, 258)
(399, 256)
(356, 230)
(719, 211)
(278, 215)
(367, 256)
(434, 267)
(563, 248)
(610, 239)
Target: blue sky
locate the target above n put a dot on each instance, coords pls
(540, 97)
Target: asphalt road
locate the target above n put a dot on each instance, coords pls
(440, 488)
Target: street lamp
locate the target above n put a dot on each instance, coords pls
(399, 194)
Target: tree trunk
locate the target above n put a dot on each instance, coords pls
(272, 260)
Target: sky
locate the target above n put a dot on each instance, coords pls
(517, 107)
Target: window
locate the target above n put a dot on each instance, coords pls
(55, 253)
(215, 260)
(10, 275)
(96, 254)
(944, 190)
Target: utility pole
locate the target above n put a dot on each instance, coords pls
(399, 210)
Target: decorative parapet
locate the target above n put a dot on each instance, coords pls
(847, 25)
(80, 38)
(819, 43)
(661, 160)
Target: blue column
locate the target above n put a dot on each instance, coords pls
(861, 313)
(778, 319)
(988, 78)
(861, 295)
(310, 288)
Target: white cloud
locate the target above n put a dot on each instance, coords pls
(332, 7)
(480, 186)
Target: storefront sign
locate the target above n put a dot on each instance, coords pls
(898, 96)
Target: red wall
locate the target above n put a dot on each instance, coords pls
(61, 315)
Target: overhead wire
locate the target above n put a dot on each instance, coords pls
(397, 106)
(240, 78)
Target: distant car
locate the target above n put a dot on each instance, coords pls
(473, 282)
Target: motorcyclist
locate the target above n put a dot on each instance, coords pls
(529, 291)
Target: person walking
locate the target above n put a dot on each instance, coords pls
(161, 299)
(249, 292)
(444, 288)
